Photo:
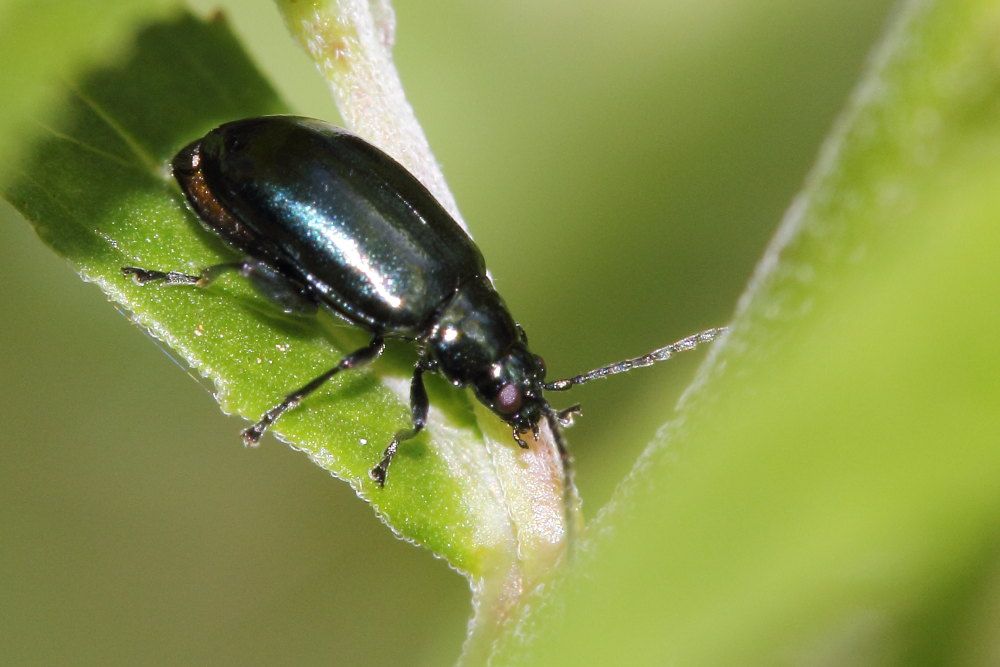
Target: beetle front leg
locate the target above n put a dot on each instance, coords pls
(418, 410)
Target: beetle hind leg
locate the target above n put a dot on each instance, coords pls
(284, 292)
(203, 279)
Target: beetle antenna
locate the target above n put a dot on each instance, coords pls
(659, 354)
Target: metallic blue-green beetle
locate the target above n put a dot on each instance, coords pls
(325, 219)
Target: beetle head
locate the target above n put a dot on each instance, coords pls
(513, 389)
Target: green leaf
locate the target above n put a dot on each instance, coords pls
(831, 494)
(93, 180)
(30, 30)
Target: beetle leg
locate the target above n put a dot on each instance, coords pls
(270, 282)
(418, 410)
(203, 279)
(368, 353)
(565, 417)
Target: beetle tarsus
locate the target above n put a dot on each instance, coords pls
(519, 440)
(565, 417)
(379, 472)
(252, 435)
(203, 279)
(147, 276)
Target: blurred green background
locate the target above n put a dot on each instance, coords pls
(621, 168)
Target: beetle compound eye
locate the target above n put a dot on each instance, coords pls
(509, 399)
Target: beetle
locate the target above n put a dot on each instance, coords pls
(324, 219)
